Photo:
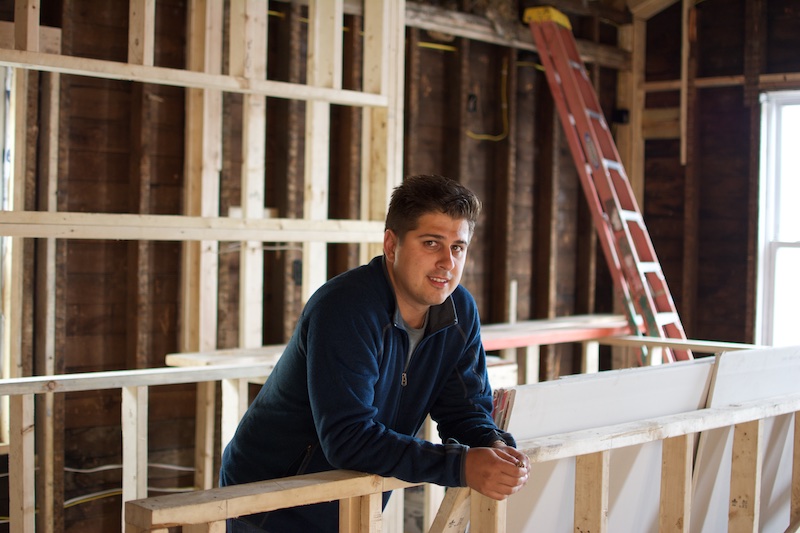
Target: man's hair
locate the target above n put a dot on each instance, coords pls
(425, 193)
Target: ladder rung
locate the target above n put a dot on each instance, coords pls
(647, 267)
(667, 317)
(613, 164)
(630, 216)
(591, 113)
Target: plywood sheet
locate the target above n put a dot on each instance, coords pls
(586, 401)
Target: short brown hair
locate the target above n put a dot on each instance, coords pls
(428, 193)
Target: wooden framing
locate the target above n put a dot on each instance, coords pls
(202, 227)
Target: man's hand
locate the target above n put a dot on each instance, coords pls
(497, 472)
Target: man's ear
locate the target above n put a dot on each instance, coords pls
(389, 244)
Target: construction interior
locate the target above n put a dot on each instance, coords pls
(180, 175)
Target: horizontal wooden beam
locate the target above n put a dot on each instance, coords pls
(571, 444)
(114, 70)
(518, 36)
(646, 9)
(789, 80)
(633, 341)
(49, 38)
(117, 379)
(41, 224)
(215, 505)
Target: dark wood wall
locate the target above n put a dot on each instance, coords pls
(478, 112)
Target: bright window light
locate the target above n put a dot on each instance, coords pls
(779, 242)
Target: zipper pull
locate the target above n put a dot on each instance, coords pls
(404, 379)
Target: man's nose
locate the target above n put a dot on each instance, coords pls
(446, 260)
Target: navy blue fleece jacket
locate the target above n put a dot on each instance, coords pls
(344, 395)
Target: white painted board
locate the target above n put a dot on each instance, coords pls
(740, 377)
(594, 400)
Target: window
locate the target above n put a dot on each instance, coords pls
(779, 232)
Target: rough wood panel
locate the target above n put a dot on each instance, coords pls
(723, 188)
(343, 197)
(664, 45)
(663, 210)
(435, 133)
(720, 29)
(286, 62)
(781, 39)
(522, 227)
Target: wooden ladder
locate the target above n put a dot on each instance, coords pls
(629, 252)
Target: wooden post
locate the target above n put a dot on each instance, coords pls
(200, 263)
(676, 484)
(591, 492)
(745, 496)
(248, 59)
(325, 44)
(795, 502)
(134, 444)
(487, 515)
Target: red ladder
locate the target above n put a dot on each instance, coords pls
(623, 235)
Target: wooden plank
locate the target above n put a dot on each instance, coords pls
(141, 31)
(146, 377)
(20, 410)
(677, 455)
(701, 346)
(478, 28)
(745, 492)
(49, 38)
(487, 515)
(183, 228)
(134, 444)
(21, 469)
(688, 72)
(795, 494)
(381, 128)
(112, 70)
(661, 123)
(691, 195)
(26, 25)
(591, 492)
(263, 496)
(46, 304)
(200, 263)
(324, 69)
(646, 9)
(453, 514)
(249, 59)
(557, 330)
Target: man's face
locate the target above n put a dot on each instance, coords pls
(425, 268)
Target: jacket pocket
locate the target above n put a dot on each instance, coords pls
(300, 464)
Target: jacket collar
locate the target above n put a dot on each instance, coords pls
(439, 316)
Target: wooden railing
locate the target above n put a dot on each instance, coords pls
(590, 449)
(359, 494)
(134, 385)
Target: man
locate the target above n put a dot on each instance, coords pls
(375, 350)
